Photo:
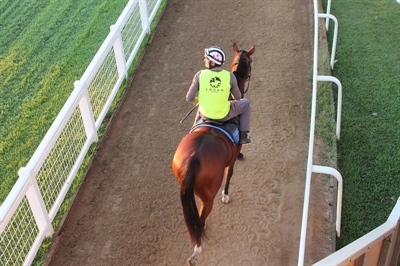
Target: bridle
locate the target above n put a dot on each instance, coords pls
(248, 61)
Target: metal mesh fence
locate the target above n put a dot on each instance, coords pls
(13, 247)
(131, 32)
(103, 83)
(150, 5)
(57, 166)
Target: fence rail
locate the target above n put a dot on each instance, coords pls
(311, 168)
(380, 246)
(27, 213)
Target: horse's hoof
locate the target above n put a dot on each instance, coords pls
(240, 157)
(195, 256)
(226, 199)
(192, 261)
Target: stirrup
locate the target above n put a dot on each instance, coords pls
(243, 138)
(244, 141)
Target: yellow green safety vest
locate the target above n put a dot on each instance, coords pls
(214, 91)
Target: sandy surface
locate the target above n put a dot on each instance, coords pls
(128, 212)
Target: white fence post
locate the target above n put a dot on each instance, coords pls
(335, 33)
(335, 173)
(144, 15)
(339, 100)
(328, 11)
(87, 112)
(119, 52)
(36, 202)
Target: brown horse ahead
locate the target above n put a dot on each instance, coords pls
(201, 160)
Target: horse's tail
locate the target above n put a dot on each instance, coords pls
(190, 212)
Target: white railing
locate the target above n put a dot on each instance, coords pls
(378, 247)
(28, 211)
(375, 248)
(311, 168)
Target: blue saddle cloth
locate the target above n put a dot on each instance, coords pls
(230, 130)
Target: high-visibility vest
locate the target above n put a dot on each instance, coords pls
(214, 91)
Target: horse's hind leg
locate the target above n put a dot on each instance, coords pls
(195, 256)
(225, 196)
(205, 210)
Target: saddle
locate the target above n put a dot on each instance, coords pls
(230, 128)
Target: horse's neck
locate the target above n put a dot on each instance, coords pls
(241, 84)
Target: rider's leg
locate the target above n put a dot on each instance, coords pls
(243, 109)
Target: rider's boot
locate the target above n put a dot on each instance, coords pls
(244, 138)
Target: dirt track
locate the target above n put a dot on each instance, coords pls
(127, 211)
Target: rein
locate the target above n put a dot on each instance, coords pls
(248, 83)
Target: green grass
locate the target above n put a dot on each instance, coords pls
(368, 152)
(325, 124)
(45, 47)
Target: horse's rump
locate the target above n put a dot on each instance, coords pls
(199, 168)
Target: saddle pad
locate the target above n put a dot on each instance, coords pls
(234, 138)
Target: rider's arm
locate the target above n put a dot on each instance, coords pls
(194, 88)
(237, 95)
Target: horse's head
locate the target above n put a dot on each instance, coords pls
(241, 66)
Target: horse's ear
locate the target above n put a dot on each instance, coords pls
(251, 50)
(235, 48)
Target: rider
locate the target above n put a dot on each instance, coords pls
(213, 87)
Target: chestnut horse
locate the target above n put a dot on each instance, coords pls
(201, 160)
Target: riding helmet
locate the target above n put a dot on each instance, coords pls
(215, 54)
